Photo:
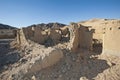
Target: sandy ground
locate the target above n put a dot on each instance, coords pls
(85, 65)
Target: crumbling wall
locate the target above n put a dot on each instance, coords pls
(80, 37)
(36, 34)
(55, 35)
(38, 59)
(22, 36)
(65, 33)
(74, 37)
(30, 33)
(64, 30)
(100, 25)
(7, 33)
(111, 41)
(51, 57)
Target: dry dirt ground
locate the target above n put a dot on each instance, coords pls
(8, 55)
(84, 65)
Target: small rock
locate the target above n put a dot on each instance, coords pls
(83, 78)
(23, 60)
(5, 67)
(77, 60)
(73, 59)
(69, 67)
(55, 76)
(110, 63)
(33, 77)
(63, 71)
(60, 75)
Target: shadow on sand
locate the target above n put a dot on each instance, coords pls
(8, 56)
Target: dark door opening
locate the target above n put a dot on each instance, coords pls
(97, 46)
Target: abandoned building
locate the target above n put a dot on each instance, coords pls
(111, 40)
(46, 37)
(106, 34)
(53, 49)
(79, 35)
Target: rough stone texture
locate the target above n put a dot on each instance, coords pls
(22, 36)
(64, 30)
(80, 37)
(50, 58)
(38, 59)
(55, 35)
(111, 40)
(30, 33)
(39, 36)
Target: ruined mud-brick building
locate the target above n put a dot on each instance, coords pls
(45, 37)
(111, 40)
(30, 33)
(106, 33)
(80, 37)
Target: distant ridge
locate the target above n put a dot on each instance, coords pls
(49, 25)
(4, 26)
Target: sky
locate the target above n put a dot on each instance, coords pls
(22, 13)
